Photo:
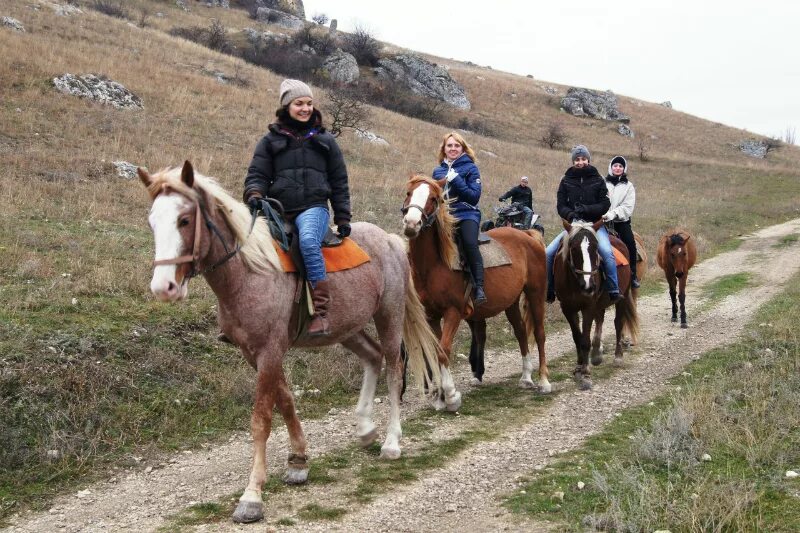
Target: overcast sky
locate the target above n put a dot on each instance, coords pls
(735, 62)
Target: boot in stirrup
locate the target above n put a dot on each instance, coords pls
(321, 298)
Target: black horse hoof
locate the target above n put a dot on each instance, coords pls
(684, 325)
(675, 319)
(248, 512)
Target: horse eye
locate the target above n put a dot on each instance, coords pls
(184, 221)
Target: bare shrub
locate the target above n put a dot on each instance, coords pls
(643, 145)
(363, 46)
(553, 135)
(107, 7)
(789, 136)
(670, 441)
(144, 14)
(285, 59)
(772, 144)
(346, 110)
(320, 18)
(218, 37)
(317, 38)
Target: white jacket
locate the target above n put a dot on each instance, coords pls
(623, 200)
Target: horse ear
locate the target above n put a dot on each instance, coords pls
(187, 174)
(686, 237)
(567, 225)
(144, 176)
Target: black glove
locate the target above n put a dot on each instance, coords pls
(254, 203)
(501, 199)
(571, 217)
(344, 230)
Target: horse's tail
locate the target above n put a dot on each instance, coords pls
(421, 344)
(630, 315)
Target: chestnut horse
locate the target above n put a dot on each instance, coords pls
(201, 229)
(676, 255)
(429, 226)
(579, 288)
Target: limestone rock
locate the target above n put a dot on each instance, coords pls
(666, 104)
(625, 131)
(754, 148)
(125, 170)
(423, 77)
(273, 16)
(341, 67)
(12, 23)
(292, 7)
(98, 88)
(372, 138)
(588, 103)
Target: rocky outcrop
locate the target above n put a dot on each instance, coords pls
(125, 170)
(371, 138)
(587, 103)
(63, 10)
(625, 131)
(666, 104)
(12, 23)
(754, 148)
(284, 20)
(341, 67)
(423, 77)
(99, 89)
(292, 7)
(265, 37)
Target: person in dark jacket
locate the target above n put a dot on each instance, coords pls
(622, 194)
(299, 164)
(582, 195)
(462, 183)
(522, 194)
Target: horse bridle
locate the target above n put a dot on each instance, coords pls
(195, 255)
(581, 272)
(427, 220)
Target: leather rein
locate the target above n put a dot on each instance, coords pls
(194, 257)
(427, 220)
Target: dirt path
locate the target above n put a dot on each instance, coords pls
(461, 495)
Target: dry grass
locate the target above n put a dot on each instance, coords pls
(70, 228)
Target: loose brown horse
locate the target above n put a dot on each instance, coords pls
(580, 289)
(201, 229)
(429, 226)
(676, 255)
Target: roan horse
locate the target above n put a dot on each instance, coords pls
(429, 226)
(676, 255)
(200, 229)
(579, 288)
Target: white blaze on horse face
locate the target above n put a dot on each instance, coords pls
(587, 262)
(169, 244)
(413, 217)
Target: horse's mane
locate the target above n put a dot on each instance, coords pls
(257, 250)
(445, 221)
(574, 229)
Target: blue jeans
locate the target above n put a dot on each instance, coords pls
(603, 247)
(312, 224)
(528, 216)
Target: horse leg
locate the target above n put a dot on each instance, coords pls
(671, 280)
(514, 317)
(583, 356)
(534, 318)
(368, 351)
(297, 463)
(480, 338)
(682, 298)
(251, 506)
(597, 339)
(474, 362)
(577, 338)
(619, 328)
(449, 398)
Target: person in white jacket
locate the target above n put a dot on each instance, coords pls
(623, 200)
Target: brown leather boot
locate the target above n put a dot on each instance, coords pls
(321, 297)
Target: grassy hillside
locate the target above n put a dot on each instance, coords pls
(93, 369)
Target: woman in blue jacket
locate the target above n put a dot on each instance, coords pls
(462, 184)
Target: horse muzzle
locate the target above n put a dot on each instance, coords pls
(411, 228)
(166, 290)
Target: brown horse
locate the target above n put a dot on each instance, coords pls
(580, 289)
(429, 226)
(200, 229)
(676, 255)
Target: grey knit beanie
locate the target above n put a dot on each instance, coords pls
(291, 89)
(580, 150)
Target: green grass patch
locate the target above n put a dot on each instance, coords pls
(787, 240)
(725, 286)
(201, 513)
(313, 511)
(645, 470)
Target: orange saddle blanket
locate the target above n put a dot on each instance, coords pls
(620, 257)
(342, 257)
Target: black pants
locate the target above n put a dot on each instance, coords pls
(468, 234)
(625, 233)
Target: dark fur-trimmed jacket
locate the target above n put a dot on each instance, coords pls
(300, 171)
(582, 194)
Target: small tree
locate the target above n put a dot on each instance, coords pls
(553, 136)
(346, 109)
(363, 46)
(320, 18)
(218, 37)
(789, 136)
(644, 143)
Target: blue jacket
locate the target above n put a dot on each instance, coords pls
(464, 189)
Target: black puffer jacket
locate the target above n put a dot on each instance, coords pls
(583, 195)
(301, 170)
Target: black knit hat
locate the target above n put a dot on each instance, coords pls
(621, 160)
